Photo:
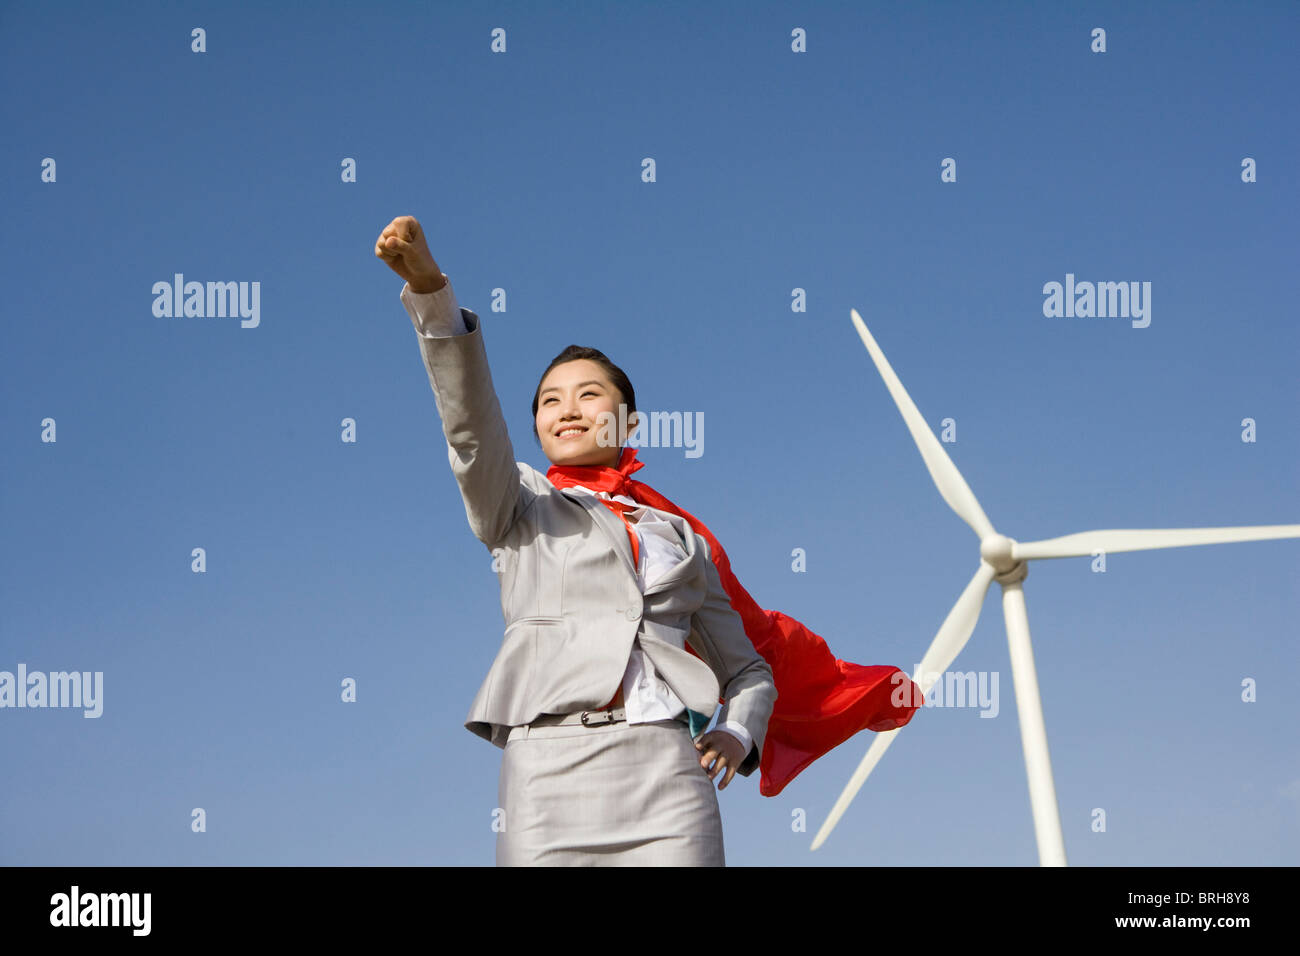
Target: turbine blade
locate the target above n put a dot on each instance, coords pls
(946, 477)
(1087, 542)
(953, 634)
(874, 753)
(955, 630)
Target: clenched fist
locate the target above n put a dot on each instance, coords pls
(402, 246)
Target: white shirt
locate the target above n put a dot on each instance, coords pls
(646, 697)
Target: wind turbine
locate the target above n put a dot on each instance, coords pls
(1004, 559)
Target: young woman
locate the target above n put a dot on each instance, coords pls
(620, 638)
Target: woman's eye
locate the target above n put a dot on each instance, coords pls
(547, 401)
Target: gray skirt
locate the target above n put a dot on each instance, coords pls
(611, 795)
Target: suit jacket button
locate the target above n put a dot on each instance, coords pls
(633, 613)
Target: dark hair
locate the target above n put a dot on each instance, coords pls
(616, 375)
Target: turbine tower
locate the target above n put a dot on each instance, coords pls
(1005, 560)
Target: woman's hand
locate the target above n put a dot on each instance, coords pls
(723, 751)
(403, 247)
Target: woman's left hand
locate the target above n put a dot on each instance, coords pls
(722, 751)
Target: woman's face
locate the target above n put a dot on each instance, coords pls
(573, 396)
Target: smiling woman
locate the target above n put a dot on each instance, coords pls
(600, 709)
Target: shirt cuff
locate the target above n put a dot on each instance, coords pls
(434, 314)
(739, 732)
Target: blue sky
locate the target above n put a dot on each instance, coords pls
(775, 171)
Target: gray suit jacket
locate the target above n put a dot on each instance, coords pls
(569, 591)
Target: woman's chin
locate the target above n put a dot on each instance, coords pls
(576, 457)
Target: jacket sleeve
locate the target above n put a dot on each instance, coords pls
(748, 691)
(478, 443)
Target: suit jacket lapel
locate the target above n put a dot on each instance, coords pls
(616, 531)
(613, 527)
(687, 566)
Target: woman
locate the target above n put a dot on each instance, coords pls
(619, 634)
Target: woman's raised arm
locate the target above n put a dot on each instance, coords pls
(478, 443)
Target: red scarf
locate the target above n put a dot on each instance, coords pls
(822, 701)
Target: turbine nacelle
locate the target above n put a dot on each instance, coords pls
(999, 552)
